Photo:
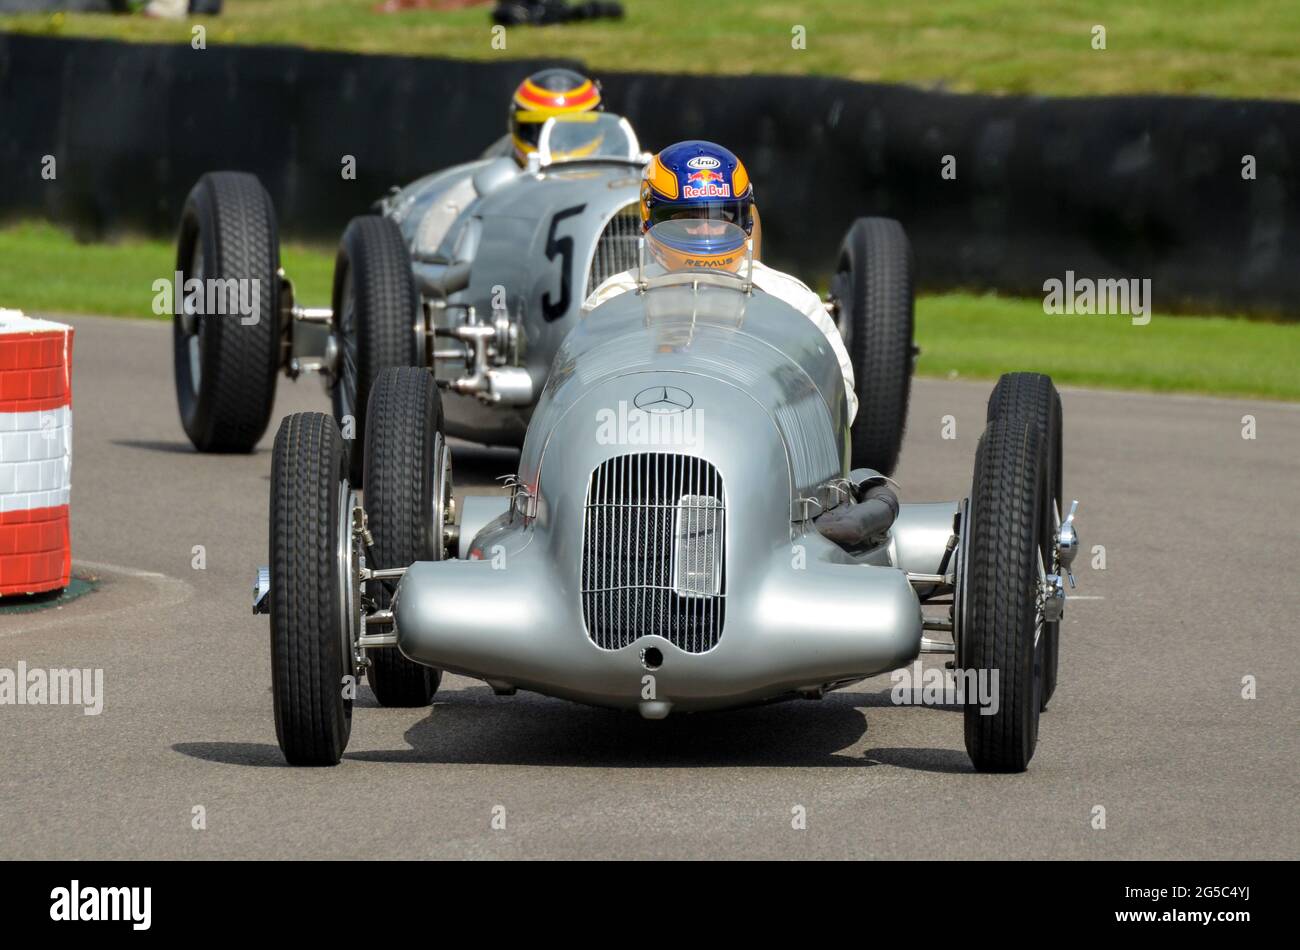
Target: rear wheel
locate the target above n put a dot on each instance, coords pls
(315, 608)
(872, 290)
(1001, 637)
(408, 500)
(226, 361)
(1034, 396)
(376, 307)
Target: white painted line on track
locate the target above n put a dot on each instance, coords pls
(165, 591)
(115, 569)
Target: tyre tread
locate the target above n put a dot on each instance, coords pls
(1003, 578)
(312, 716)
(1034, 396)
(241, 361)
(404, 413)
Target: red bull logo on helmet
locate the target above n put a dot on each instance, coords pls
(705, 183)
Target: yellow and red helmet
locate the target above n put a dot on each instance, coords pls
(544, 94)
(706, 190)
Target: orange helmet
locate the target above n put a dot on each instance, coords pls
(550, 92)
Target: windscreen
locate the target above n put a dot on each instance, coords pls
(586, 135)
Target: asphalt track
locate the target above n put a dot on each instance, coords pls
(1198, 591)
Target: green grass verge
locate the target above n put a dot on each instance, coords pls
(1211, 47)
(985, 336)
(968, 335)
(46, 271)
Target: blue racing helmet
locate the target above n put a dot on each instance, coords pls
(697, 180)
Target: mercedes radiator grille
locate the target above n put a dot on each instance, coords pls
(654, 551)
(616, 251)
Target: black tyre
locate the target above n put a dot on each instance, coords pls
(408, 490)
(226, 363)
(872, 290)
(376, 306)
(1034, 396)
(1002, 629)
(314, 606)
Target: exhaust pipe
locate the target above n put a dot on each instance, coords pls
(853, 526)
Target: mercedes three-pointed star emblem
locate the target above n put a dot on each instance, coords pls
(662, 400)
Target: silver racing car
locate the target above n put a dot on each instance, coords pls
(478, 272)
(685, 532)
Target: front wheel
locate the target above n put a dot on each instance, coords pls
(1034, 396)
(315, 607)
(1000, 647)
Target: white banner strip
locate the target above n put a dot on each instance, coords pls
(35, 459)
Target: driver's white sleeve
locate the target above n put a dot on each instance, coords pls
(798, 295)
(609, 288)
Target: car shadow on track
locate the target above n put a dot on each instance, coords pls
(256, 754)
(157, 445)
(942, 761)
(472, 726)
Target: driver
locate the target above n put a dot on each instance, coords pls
(548, 93)
(544, 94)
(704, 182)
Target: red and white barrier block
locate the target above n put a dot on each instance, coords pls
(35, 454)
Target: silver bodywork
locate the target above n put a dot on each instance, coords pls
(515, 251)
(684, 572)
